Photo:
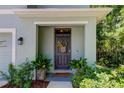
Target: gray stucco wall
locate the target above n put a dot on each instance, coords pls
(42, 6)
(12, 6)
(23, 29)
(26, 28)
(63, 6)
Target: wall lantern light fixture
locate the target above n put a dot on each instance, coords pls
(20, 41)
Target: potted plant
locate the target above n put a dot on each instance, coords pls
(42, 65)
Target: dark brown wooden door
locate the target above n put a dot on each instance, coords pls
(62, 48)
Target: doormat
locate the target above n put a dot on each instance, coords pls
(62, 74)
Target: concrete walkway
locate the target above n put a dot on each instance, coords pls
(3, 82)
(59, 81)
(59, 84)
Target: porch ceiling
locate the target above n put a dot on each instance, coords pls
(99, 13)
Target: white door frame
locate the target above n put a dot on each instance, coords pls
(13, 32)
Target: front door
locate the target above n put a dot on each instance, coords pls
(62, 48)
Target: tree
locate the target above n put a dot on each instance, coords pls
(110, 37)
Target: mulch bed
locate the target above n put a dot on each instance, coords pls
(35, 84)
(40, 84)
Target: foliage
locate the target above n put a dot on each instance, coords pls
(10, 76)
(42, 62)
(87, 72)
(104, 80)
(110, 37)
(99, 77)
(77, 64)
(83, 71)
(20, 76)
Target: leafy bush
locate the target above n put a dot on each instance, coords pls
(104, 81)
(102, 62)
(99, 77)
(106, 78)
(108, 63)
(83, 71)
(77, 64)
(42, 62)
(76, 79)
(10, 76)
(87, 83)
(24, 75)
(20, 76)
(110, 37)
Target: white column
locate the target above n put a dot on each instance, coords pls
(90, 42)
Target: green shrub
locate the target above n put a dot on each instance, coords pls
(106, 78)
(77, 64)
(88, 83)
(99, 77)
(104, 81)
(42, 62)
(83, 71)
(24, 75)
(20, 76)
(102, 62)
(10, 76)
(76, 79)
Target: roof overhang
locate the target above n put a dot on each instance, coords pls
(99, 13)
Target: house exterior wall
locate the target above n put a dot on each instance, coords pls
(77, 42)
(26, 28)
(42, 6)
(13, 6)
(63, 6)
(46, 42)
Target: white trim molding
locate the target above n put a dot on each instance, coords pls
(13, 32)
(99, 13)
(55, 23)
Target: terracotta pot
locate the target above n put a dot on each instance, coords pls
(41, 74)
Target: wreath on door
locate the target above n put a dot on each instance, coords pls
(62, 46)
